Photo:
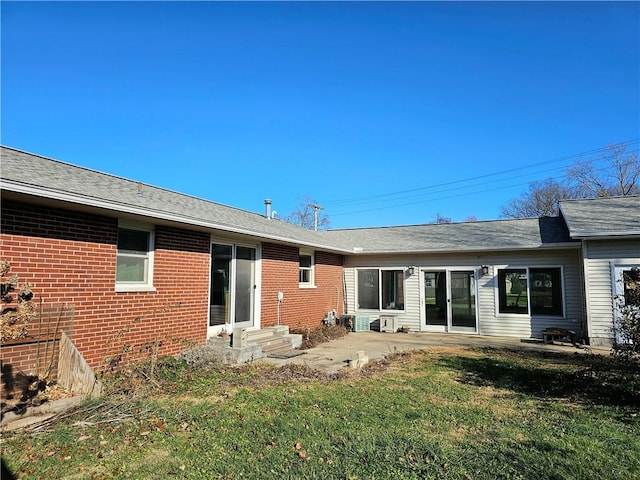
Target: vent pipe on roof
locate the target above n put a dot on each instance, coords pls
(267, 207)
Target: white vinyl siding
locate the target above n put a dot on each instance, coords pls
(601, 256)
(489, 321)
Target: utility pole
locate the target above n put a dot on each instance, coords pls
(315, 215)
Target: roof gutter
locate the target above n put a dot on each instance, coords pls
(627, 234)
(568, 245)
(145, 212)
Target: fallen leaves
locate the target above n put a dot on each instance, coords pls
(300, 452)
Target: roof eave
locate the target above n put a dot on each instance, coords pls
(546, 246)
(68, 197)
(622, 235)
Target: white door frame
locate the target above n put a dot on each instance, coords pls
(214, 330)
(617, 288)
(448, 328)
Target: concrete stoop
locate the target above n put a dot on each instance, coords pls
(245, 346)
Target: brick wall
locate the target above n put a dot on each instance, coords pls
(71, 258)
(25, 358)
(302, 307)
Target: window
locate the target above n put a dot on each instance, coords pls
(372, 297)
(392, 290)
(134, 258)
(306, 269)
(368, 289)
(512, 291)
(546, 291)
(537, 291)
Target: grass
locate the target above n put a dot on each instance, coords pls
(440, 413)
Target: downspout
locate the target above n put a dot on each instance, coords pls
(584, 293)
(344, 288)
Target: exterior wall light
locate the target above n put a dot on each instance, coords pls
(411, 270)
(485, 270)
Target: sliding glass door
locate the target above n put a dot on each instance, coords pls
(245, 287)
(463, 301)
(450, 301)
(232, 296)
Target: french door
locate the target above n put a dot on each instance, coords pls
(450, 301)
(232, 297)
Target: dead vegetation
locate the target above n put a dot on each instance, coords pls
(312, 337)
(19, 310)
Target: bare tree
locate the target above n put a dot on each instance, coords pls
(304, 213)
(541, 200)
(442, 219)
(619, 177)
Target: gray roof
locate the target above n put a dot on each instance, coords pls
(36, 176)
(602, 217)
(471, 236)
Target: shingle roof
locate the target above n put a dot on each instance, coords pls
(22, 171)
(472, 236)
(602, 217)
(40, 176)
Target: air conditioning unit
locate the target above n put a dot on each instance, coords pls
(362, 323)
(347, 321)
(388, 324)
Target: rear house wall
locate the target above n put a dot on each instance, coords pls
(302, 307)
(70, 257)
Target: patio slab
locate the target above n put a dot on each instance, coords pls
(337, 354)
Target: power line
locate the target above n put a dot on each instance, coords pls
(381, 196)
(373, 199)
(438, 191)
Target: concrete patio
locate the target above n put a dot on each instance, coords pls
(340, 353)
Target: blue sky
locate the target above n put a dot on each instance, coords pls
(385, 113)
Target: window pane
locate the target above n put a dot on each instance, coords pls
(133, 241)
(546, 291)
(305, 261)
(133, 256)
(435, 297)
(630, 279)
(368, 296)
(305, 276)
(131, 269)
(219, 298)
(512, 291)
(392, 290)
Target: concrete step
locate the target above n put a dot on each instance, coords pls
(256, 335)
(272, 347)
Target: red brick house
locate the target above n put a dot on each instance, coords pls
(140, 264)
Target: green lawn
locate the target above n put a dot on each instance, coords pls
(440, 413)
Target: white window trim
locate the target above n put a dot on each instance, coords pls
(380, 309)
(528, 268)
(312, 270)
(618, 267)
(146, 286)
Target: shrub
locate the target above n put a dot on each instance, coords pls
(324, 333)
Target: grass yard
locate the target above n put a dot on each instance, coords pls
(439, 413)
